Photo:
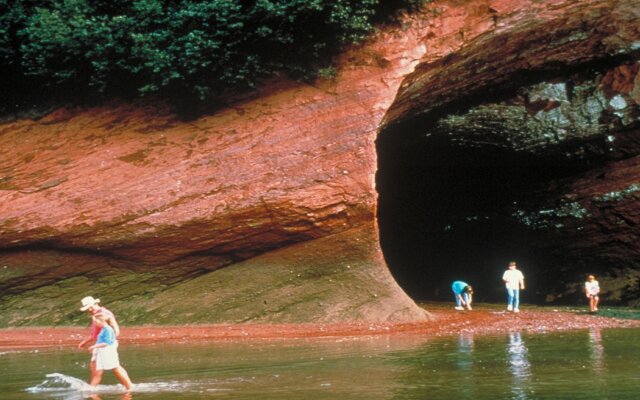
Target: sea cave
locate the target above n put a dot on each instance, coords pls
(537, 170)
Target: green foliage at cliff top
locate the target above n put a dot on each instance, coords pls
(187, 51)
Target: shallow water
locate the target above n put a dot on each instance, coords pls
(594, 364)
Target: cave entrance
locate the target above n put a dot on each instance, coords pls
(481, 162)
(445, 213)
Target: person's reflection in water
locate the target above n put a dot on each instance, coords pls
(465, 348)
(464, 361)
(597, 349)
(519, 366)
(124, 396)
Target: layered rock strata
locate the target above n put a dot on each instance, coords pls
(128, 203)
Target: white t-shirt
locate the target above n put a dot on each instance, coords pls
(593, 287)
(512, 278)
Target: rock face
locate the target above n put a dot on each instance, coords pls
(128, 203)
(521, 145)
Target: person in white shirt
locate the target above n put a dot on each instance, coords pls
(514, 280)
(592, 290)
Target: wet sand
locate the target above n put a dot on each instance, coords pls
(483, 320)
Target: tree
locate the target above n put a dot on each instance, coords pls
(188, 51)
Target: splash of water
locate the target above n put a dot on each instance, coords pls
(57, 382)
(65, 386)
(62, 384)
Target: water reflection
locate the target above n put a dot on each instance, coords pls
(558, 366)
(519, 366)
(596, 350)
(124, 396)
(94, 396)
(465, 350)
(464, 362)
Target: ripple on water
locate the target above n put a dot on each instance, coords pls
(57, 383)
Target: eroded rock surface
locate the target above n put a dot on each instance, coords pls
(527, 154)
(128, 203)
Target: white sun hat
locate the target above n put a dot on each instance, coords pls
(88, 302)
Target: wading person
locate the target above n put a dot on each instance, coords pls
(106, 353)
(463, 293)
(514, 281)
(92, 307)
(592, 290)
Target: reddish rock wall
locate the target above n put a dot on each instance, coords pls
(132, 188)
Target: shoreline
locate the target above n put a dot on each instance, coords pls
(483, 320)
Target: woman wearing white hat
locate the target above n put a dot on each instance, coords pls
(92, 306)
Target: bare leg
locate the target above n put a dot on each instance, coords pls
(96, 378)
(123, 377)
(92, 368)
(593, 303)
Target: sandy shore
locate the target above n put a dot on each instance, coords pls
(482, 320)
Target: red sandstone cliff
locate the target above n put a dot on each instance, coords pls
(130, 204)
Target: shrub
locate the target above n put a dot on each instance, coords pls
(188, 51)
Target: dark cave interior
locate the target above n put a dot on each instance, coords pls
(444, 215)
(455, 180)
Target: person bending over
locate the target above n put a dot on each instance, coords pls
(463, 293)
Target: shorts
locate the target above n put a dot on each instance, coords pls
(107, 358)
